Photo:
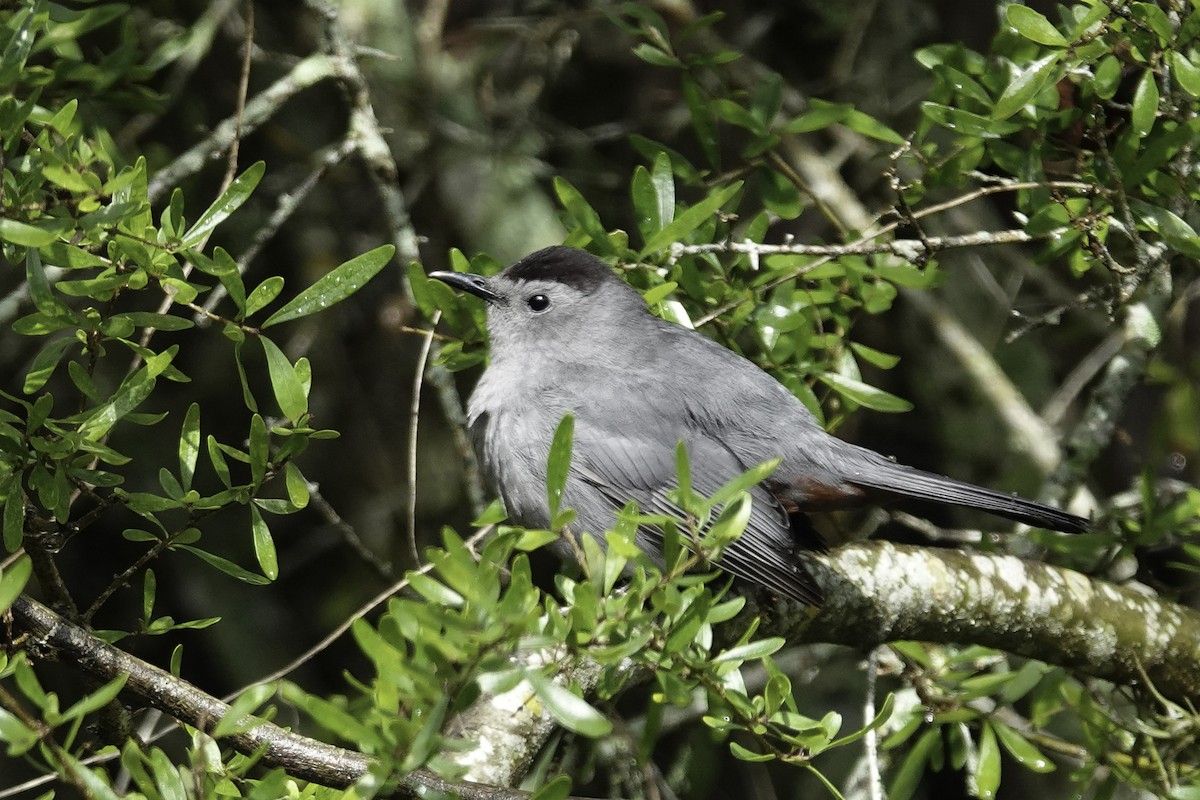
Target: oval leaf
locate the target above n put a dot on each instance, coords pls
(1026, 85)
(264, 545)
(13, 580)
(569, 708)
(865, 394)
(335, 286)
(289, 391)
(1145, 104)
(229, 201)
(751, 650)
(1034, 26)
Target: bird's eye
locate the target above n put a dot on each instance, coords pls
(538, 302)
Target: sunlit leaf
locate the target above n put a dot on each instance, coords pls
(334, 286)
(289, 391)
(1033, 26)
(230, 200)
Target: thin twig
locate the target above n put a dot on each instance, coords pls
(413, 428)
(871, 739)
(243, 88)
(349, 536)
(373, 148)
(907, 249)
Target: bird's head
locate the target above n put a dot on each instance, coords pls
(551, 301)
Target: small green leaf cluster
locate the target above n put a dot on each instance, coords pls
(974, 710)
(110, 301)
(956, 721)
(1105, 96)
(25, 738)
(476, 627)
(80, 226)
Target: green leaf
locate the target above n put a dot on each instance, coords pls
(289, 391)
(39, 286)
(571, 710)
(97, 699)
(703, 119)
(691, 219)
(434, 591)
(865, 394)
(1027, 84)
(663, 179)
(557, 788)
(149, 592)
(864, 123)
(585, 217)
(264, 545)
(24, 234)
(731, 522)
(239, 717)
(263, 295)
(779, 194)
(230, 200)
(189, 445)
(908, 775)
(45, 362)
(746, 754)
(1187, 74)
(1145, 105)
(92, 785)
(1033, 26)
(558, 464)
(259, 443)
(534, 538)
(129, 396)
(19, 45)
(297, 486)
(332, 716)
(876, 357)
(217, 458)
(13, 579)
(14, 516)
(1107, 77)
(987, 767)
(967, 123)
(225, 565)
(160, 322)
(750, 651)
(334, 286)
(1021, 749)
(653, 55)
(1168, 225)
(821, 114)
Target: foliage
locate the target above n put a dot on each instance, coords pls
(1085, 124)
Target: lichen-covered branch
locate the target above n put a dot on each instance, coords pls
(878, 592)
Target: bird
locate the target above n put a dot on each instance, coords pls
(568, 336)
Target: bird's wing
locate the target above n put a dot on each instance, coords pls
(621, 466)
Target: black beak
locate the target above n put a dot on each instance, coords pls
(471, 284)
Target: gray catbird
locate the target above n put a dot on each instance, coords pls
(569, 336)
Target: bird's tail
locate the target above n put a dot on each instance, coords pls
(898, 479)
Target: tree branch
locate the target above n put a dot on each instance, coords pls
(300, 756)
(877, 592)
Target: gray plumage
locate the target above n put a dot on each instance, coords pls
(568, 336)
